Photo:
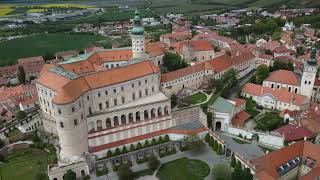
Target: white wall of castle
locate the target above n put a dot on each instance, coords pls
(267, 62)
(276, 85)
(138, 46)
(307, 81)
(270, 139)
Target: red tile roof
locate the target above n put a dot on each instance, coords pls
(221, 63)
(240, 118)
(293, 132)
(196, 45)
(238, 101)
(155, 48)
(69, 90)
(284, 77)
(281, 49)
(266, 56)
(281, 95)
(142, 137)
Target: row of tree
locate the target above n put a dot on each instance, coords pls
(214, 144)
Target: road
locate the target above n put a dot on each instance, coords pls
(234, 91)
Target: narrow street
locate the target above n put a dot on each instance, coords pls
(234, 91)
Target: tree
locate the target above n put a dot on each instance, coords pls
(233, 161)
(173, 99)
(146, 143)
(215, 145)
(125, 173)
(246, 174)
(109, 153)
(153, 163)
(117, 152)
(209, 120)
(237, 172)
(124, 150)
(139, 146)
(131, 147)
(166, 138)
(207, 138)
(211, 142)
(160, 140)
(262, 73)
(173, 61)
(21, 75)
(70, 175)
(300, 50)
(2, 144)
(20, 114)
(221, 172)
(219, 150)
(153, 142)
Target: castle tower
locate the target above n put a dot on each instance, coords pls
(137, 37)
(309, 74)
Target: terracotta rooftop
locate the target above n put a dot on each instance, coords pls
(178, 35)
(240, 119)
(268, 165)
(69, 90)
(221, 63)
(196, 45)
(279, 94)
(293, 132)
(281, 49)
(238, 101)
(266, 56)
(284, 77)
(155, 48)
(185, 71)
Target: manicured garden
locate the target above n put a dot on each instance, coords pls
(195, 98)
(25, 164)
(251, 107)
(44, 44)
(183, 168)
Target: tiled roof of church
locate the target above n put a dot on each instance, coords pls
(284, 77)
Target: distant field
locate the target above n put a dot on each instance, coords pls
(43, 44)
(5, 9)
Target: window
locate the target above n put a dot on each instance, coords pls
(107, 66)
(107, 104)
(90, 110)
(139, 83)
(81, 116)
(61, 125)
(100, 106)
(152, 89)
(115, 90)
(123, 100)
(59, 111)
(133, 96)
(146, 81)
(146, 92)
(115, 102)
(73, 109)
(75, 122)
(106, 93)
(99, 94)
(132, 85)
(305, 82)
(88, 98)
(140, 94)
(122, 88)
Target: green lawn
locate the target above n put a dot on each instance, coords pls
(43, 44)
(182, 169)
(269, 122)
(195, 98)
(24, 164)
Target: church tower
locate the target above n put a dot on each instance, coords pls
(137, 37)
(309, 74)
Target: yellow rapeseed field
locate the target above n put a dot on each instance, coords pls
(48, 6)
(36, 10)
(5, 9)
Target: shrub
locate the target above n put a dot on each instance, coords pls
(233, 161)
(153, 142)
(124, 150)
(125, 173)
(131, 147)
(219, 150)
(166, 138)
(215, 145)
(69, 175)
(160, 140)
(153, 163)
(139, 146)
(146, 143)
(117, 152)
(207, 138)
(109, 153)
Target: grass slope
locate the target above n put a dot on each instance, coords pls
(24, 164)
(42, 44)
(183, 168)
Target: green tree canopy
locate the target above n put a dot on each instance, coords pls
(20, 114)
(173, 61)
(233, 161)
(153, 163)
(262, 73)
(70, 175)
(221, 172)
(21, 75)
(125, 173)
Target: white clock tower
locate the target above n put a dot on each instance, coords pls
(309, 75)
(137, 38)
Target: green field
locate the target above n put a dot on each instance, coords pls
(195, 98)
(40, 45)
(24, 164)
(183, 168)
